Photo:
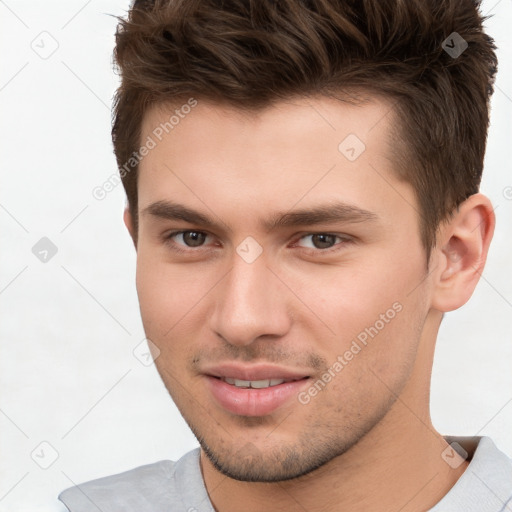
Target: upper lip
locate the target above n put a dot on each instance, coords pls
(253, 372)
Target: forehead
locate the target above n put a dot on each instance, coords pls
(288, 120)
(303, 151)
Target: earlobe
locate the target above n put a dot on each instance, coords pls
(463, 244)
(128, 222)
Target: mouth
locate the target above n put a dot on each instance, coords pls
(255, 390)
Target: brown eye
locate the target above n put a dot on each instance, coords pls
(193, 238)
(323, 241)
(189, 238)
(319, 240)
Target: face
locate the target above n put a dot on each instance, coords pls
(281, 275)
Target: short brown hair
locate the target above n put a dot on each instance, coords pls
(252, 53)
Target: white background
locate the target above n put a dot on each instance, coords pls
(69, 326)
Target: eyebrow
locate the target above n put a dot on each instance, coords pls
(323, 214)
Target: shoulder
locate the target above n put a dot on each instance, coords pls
(150, 487)
(486, 484)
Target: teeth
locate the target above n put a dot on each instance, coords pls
(257, 384)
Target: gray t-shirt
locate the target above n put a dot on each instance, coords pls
(167, 486)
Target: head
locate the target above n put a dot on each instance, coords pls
(302, 182)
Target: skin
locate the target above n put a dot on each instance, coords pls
(366, 440)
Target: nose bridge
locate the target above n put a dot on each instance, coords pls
(249, 303)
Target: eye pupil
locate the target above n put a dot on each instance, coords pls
(194, 238)
(322, 241)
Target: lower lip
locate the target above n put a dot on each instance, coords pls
(251, 401)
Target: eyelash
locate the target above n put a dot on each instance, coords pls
(344, 240)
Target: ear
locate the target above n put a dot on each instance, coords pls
(461, 251)
(130, 225)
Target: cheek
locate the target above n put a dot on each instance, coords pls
(167, 295)
(373, 373)
(375, 316)
(169, 300)
(349, 302)
(371, 286)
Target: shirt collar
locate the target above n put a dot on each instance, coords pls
(485, 485)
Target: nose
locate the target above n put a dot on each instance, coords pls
(251, 303)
